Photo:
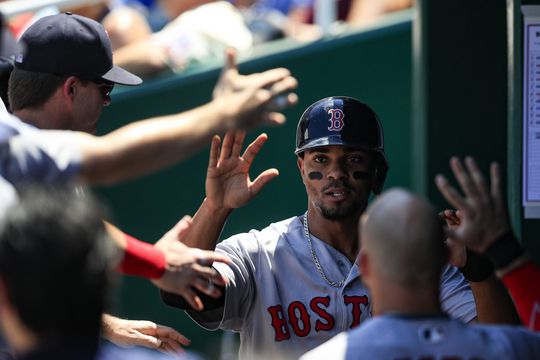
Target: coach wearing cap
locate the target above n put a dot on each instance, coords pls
(62, 80)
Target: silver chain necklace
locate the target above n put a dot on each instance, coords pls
(316, 259)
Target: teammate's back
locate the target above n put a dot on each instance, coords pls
(411, 338)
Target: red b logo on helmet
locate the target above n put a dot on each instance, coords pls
(336, 119)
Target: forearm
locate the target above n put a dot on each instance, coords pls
(206, 227)
(493, 304)
(149, 145)
(138, 258)
(116, 235)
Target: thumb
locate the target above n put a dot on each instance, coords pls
(230, 61)
(183, 226)
(452, 235)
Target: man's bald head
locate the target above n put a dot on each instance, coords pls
(402, 235)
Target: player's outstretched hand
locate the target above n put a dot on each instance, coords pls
(188, 268)
(484, 212)
(228, 185)
(142, 333)
(255, 99)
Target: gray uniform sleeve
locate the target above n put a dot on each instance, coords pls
(44, 156)
(456, 295)
(243, 249)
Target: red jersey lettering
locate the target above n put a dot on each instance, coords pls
(298, 314)
(317, 309)
(356, 301)
(279, 323)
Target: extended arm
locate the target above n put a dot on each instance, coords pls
(228, 186)
(149, 145)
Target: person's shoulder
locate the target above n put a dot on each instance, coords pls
(268, 234)
(514, 333)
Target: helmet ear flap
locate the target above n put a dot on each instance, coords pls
(378, 174)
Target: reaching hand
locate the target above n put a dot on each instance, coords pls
(142, 333)
(228, 185)
(188, 268)
(254, 99)
(484, 211)
(457, 251)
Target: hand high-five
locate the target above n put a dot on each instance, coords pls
(228, 184)
(188, 268)
(483, 208)
(256, 98)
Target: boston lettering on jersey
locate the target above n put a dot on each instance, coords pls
(298, 315)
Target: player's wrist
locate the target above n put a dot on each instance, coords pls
(142, 259)
(228, 113)
(504, 250)
(477, 268)
(214, 209)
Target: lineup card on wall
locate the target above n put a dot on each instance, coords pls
(531, 111)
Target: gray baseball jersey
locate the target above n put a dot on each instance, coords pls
(31, 155)
(281, 305)
(395, 337)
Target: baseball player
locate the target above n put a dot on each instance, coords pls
(401, 265)
(295, 284)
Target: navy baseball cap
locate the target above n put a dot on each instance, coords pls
(69, 44)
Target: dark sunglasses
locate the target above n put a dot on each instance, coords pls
(105, 88)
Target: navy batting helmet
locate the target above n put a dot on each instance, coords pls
(343, 120)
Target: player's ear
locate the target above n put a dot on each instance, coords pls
(364, 264)
(69, 87)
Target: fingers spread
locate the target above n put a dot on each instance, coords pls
(478, 179)
(285, 85)
(463, 178)
(238, 143)
(214, 152)
(253, 149)
(449, 193)
(496, 187)
(226, 148)
(268, 78)
(264, 178)
(148, 341)
(172, 337)
(274, 119)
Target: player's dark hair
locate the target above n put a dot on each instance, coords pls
(31, 90)
(55, 260)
